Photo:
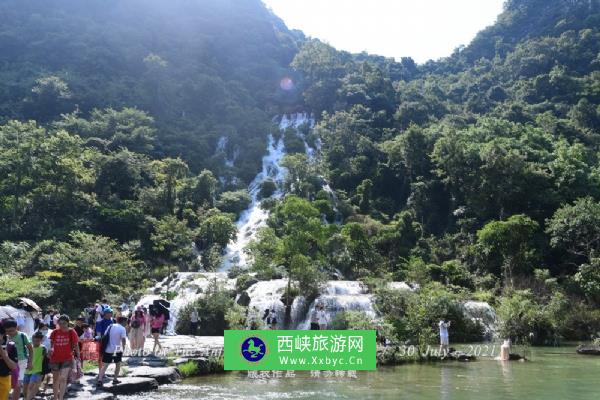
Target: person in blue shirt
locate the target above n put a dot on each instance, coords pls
(104, 323)
(101, 328)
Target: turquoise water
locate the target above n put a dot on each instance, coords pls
(552, 373)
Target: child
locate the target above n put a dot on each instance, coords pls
(88, 334)
(35, 375)
(8, 363)
(24, 355)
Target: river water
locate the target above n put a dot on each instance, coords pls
(552, 374)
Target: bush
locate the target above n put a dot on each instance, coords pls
(267, 188)
(293, 143)
(234, 202)
(188, 369)
(244, 281)
(212, 308)
(236, 317)
(415, 315)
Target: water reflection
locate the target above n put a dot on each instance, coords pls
(446, 384)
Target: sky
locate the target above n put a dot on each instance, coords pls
(421, 29)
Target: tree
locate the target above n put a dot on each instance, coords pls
(294, 241)
(172, 239)
(508, 245)
(364, 193)
(90, 267)
(49, 98)
(215, 228)
(234, 202)
(112, 130)
(576, 229)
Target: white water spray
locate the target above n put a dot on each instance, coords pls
(255, 217)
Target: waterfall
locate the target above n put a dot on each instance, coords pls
(342, 296)
(222, 148)
(188, 287)
(337, 296)
(254, 217)
(267, 295)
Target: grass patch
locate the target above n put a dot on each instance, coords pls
(188, 369)
(90, 366)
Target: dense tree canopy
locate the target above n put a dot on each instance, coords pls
(138, 125)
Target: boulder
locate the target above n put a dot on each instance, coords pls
(131, 386)
(163, 376)
(180, 360)
(589, 350)
(459, 356)
(243, 299)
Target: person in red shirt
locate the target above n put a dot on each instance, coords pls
(64, 342)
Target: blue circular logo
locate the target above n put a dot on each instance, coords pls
(253, 349)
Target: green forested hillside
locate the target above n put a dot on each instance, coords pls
(475, 176)
(111, 115)
(201, 69)
(479, 171)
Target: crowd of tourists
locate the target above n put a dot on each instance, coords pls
(59, 346)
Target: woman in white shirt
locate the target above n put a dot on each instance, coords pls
(322, 318)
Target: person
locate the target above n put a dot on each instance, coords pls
(24, 355)
(314, 319)
(104, 323)
(101, 327)
(64, 343)
(113, 352)
(97, 313)
(124, 309)
(90, 314)
(48, 319)
(156, 326)
(80, 330)
(505, 350)
(322, 317)
(273, 318)
(87, 333)
(101, 309)
(444, 337)
(35, 375)
(253, 315)
(194, 322)
(147, 328)
(137, 326)
(44, 330)
(79, 326)
(55, 317)
(8, 363)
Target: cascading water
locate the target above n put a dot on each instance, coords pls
(255, 217)
(188, 287)
(342, 296)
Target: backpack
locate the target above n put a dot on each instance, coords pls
(104, 340)
(11, 349)
(23, 339)
(46, 363)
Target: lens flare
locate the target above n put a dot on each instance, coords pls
(286, 83)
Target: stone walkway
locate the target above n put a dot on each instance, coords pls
(148, 372)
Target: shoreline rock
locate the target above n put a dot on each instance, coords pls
(589, 350)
